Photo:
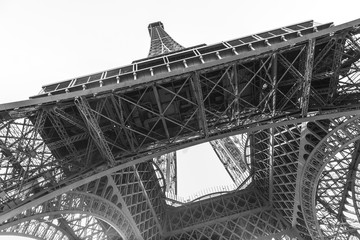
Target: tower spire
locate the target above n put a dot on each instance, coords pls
(161, 42)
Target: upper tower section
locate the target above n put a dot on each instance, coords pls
(161, 42)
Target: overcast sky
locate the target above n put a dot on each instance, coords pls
(48, 41)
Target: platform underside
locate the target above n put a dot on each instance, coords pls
(80, 160)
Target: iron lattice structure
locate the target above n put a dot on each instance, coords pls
(95, 157)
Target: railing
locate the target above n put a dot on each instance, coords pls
(182, 59)
(211, 192)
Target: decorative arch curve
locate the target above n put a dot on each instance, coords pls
(36, 229)
(75, 202)
(338, 139)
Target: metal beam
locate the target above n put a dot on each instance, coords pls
(235, 82)
(274, 81)
(95, 131)
(70, 118)
(64, 225)
(271, 164)
(336, 66)
(69, 140)
(158, 102)
(61, 131)
(120, 114)
(218, 220)
(198, 94)
(309, 62)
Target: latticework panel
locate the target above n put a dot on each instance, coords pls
(327, 180)
(80, 214)
(259, 147)
(40, 229)
(140, 196)
(89, 227)
(99, 126)
(27, 164)
(285, 165)
(154, 191)
(65, 227)
(161, 42)
(256, 224)
(276, 155)
(214, 208)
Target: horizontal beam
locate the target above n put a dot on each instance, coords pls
(219, 220)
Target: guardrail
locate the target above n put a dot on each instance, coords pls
(176, 200)
(180, 60)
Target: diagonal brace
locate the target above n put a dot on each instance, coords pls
(309, 62)
(94, 129)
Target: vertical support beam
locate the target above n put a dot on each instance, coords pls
(157, 97)
(94, 129)
(339, 50)
(272, 142)
(195, 82)
(235, 83)
(309, 63)
(271, 165)
(274, 80)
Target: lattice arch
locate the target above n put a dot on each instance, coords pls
(36, 229)
(75, 202)
(333, 159)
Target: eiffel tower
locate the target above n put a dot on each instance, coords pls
(94, 157)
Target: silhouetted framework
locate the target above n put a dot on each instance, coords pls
(95, 157)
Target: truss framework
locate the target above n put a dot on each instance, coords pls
(90, 160)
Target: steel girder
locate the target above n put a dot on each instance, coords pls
(265, 96)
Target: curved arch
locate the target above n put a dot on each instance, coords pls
(20, 235)
(334, 142)
(80, 202)
(36, 229)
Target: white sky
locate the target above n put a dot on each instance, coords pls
(48, 41)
